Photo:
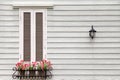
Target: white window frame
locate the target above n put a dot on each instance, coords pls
(33, 30)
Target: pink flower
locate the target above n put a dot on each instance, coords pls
(34, 64)
(49, 64)
(42, 65)
(20, 64)
(26, 66)
(45, 64)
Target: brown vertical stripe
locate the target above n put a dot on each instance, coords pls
(39, 36)
(27, 44)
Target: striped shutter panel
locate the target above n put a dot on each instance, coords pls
(39, 36)
(27, 45)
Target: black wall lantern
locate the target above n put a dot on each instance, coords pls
(92, 32)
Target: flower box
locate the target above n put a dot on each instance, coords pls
(40, 69)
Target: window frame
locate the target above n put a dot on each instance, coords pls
(33, 31)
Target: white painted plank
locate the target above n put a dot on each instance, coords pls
(83, 45)
(82, 29)
(88, 72)
(82, 23)
(9, 28)
(83, 77)
(12, 12)
(6, 77)
(9, 17)
(5, 23)
(84, 34)
(90, 1)
(107, 77)
(9, 45)
(6, 7)
(86, 61)
(60, 66)
(93, 55)
(10, 34)
(117, 7)
(6, 72)
(86, 2)
(9, 50)
(9, 40)
(85, 50)
(7, 66)
(80, 13)
(8, 61)
(10, 55)
(80, 18)
(73, 77)
(76, 40)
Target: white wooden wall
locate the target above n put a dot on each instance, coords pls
(73, 54)
(9, 40)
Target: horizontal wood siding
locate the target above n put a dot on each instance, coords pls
(73, 54)
(9, 40)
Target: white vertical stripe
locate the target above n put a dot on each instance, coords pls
(32, 37)
(45, 34)
(21, 32)
(34, 21)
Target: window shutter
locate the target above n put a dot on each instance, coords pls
(27, 45)
(39, 36)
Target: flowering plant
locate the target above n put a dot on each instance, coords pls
(20, 65)
(33, 66)
(41, 65)
(45, 64)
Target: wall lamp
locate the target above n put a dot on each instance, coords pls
(92, 32)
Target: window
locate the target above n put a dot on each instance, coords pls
(33, 31)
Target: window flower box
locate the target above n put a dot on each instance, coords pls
(40, 69)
